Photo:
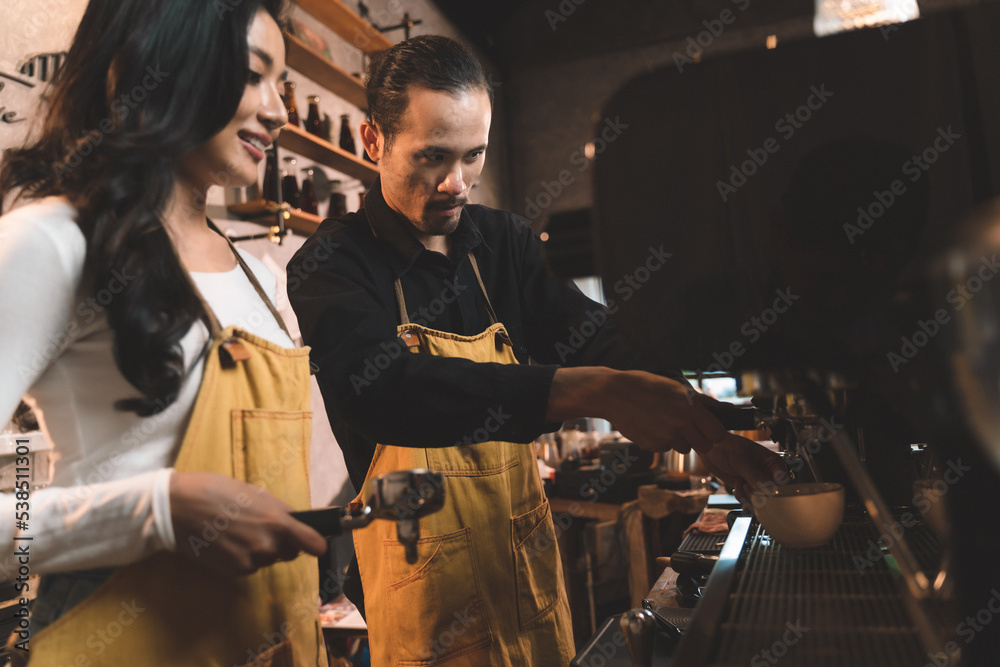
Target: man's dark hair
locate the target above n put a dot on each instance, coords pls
(428, 61)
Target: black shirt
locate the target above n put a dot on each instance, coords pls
(341, 286)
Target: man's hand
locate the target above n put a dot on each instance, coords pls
(249, 527)
(654, 412)
(744, 465)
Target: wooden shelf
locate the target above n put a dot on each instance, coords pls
(303, 58)
(319, 150)
(337, 16)
(262, 211)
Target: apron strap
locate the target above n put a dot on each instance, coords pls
(479, 279)
(401, 302)
(253, 281)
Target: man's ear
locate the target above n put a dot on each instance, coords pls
(372, 140)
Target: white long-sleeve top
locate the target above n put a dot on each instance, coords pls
(108, 503)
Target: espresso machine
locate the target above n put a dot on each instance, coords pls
(837, 257)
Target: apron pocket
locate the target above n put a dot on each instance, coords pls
(271, 450)
(435, 605)
(536, 560)
(474, 460)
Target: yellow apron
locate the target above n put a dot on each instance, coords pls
(251, 421)
(487, 588)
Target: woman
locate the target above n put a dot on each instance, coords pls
(153, 355)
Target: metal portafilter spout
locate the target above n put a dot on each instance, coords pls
(403, 496)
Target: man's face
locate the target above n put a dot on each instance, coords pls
(435, 158)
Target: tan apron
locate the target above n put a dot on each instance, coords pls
(251, 421)
(487, 588)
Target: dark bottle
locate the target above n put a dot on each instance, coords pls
(338, 201)
(290, 106)
(347, 135)
(313, 123)
(361, 200)
(289, 183)
(307, 198)
(270, 188)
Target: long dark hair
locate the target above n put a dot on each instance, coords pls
(144, 82)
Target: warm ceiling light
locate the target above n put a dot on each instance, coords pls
(833, 16)
(772, 41)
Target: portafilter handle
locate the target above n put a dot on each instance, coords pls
(405, 496)
(638, 626)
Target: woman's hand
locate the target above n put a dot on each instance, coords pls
(235, 528)
(745, 466)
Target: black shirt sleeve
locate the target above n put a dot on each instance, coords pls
(564, 326)
(370, 381)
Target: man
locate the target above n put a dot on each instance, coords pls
(422, 311)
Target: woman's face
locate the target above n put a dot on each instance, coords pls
(230, 158)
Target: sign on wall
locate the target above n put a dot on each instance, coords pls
(33, 45)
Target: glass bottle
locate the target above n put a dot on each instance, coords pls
(313, 123)
(289, 183)
(361, 200)
(347, 135)
(290, 106)
(338, 201)
(307, 198)
(270, 186)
